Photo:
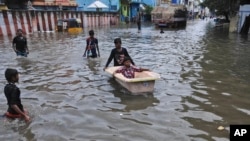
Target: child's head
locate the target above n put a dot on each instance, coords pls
(19, 32)
(127, 61)
(11, 75)
(118, 42)
(91, 33)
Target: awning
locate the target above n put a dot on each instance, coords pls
(142, 7)
(97, 4)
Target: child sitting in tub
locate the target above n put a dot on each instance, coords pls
(128, 70)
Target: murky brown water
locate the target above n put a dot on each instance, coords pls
(205, 84)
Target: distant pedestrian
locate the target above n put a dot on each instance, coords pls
(91, 46)
(12, 94)
(19, 44)
(127, 21)
(138, 20)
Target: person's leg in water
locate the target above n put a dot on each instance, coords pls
(93, 53)
(24, 54)
(126, 21)
(139, 26)
(162, 30)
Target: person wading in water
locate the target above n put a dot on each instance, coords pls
(19, 44)
(118, 54)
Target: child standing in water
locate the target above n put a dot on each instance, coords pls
(91, 46)
(128, 70)
(12, 93)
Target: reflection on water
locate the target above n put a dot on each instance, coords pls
(131, 101)
(204, 84)
(94, 64)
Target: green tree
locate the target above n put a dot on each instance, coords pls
(148, 9)
(222, 7)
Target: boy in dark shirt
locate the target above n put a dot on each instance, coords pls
(118, 54)
(12, 94)
(19, 44)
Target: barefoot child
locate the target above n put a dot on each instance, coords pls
(12, 93)
(128, 70)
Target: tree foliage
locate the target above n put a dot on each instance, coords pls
(148, 9)
(220, 7)
(224, 7)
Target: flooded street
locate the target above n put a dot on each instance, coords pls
(205, 75)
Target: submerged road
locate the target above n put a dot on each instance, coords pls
(204, 84)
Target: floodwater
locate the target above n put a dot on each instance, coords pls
(205, 75)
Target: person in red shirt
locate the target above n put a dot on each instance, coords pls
(128, 70)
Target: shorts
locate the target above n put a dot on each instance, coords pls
(19, 53)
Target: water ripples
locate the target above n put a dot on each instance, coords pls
(72, 98)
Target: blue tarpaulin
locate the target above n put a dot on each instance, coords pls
(174, 1)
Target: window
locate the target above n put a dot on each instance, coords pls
(113, 7)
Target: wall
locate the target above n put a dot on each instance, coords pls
(124, 11)
(43, 21)
(133, 9)
(83, 5)
(243, 12)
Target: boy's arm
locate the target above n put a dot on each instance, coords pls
(111, 56)
(97, 48)
(84, 54)
(142, 69)
(137, 69)
(26, 46)
(119, 70)
(19, 111)
(14, 44)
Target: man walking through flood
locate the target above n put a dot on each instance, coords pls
(138, 20)
(19, 44)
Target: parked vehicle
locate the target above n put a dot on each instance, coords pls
(169, 16)
(221, 22)
(72, 25)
